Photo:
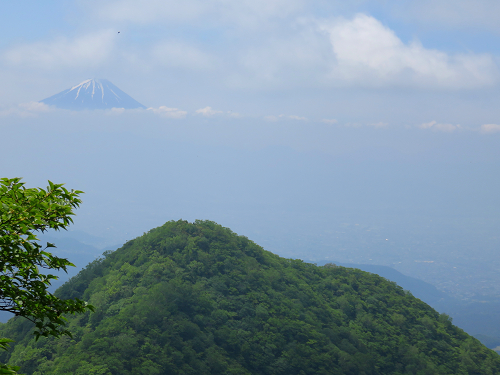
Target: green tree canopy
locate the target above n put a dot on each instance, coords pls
(24, 263)
(196, 298)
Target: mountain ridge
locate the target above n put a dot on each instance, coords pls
(195, 298)
(93, 94)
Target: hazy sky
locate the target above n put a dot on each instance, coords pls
(432, 64)
(280, 119)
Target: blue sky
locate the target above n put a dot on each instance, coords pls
(265, 58)
(284, 120)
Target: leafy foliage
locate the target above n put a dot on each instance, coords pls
(23, 286)
(198, 299)
(6, 369)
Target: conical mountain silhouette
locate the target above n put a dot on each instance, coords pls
(93, 94)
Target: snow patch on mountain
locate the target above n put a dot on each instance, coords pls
(93, 94)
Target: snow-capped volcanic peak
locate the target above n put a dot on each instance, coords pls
(86, 84)
(93, 94)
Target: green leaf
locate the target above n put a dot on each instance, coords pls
(23, 288)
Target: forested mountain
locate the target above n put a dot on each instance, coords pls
(195, 298)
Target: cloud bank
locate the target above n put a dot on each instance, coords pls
(91, 49)
(167, 112)
(490, 128)
(369, 53)
(434, 125)
(31, 109)
(208, 112)
(316, 59)
(243, 13)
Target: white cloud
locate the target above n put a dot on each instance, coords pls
(243, 13)
(176, 54)
(300, 56)
(294, 117)
(329, 121)
(169, 112)
(207, 111)
(427, 125)
(369, 53)
(359, 52)
(274, 118)
(84, 51)
(482, 14)
(234, 114)
(30, 109)
(490, 128)
(35, 107)
(434, 125)
(117, 111)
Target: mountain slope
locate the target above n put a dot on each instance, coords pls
(420, 289)
(479, 319)
(93, 94)
(198, 299)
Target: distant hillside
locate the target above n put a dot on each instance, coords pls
(195, 298)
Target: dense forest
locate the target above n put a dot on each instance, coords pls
(195, 298)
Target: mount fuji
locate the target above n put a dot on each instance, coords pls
(93, 94)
